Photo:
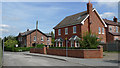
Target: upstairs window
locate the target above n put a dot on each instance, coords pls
(48, 39)
(59, 31)
(74, 29)
(110, 29)
(42, 38)
(99, 30)
(20, 38)
(34, 38)
(116, 29)
(102, 30)
(66, 30)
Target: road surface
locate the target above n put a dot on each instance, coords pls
(19, 59)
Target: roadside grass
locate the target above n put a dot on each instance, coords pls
(0, 56)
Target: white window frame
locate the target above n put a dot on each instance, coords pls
(77, 42)
(99, 30)
(57, 44)
(59, 31)
(117, 29)
(103, 31)
(42, 38)
(72, 42)
(61, 45)
(74, 28)
(66, 30)
(34, 38)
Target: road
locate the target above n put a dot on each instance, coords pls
(19, 59)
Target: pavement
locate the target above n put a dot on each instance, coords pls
(110, 59)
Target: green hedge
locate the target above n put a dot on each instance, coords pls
(17, 49)
(73, 48)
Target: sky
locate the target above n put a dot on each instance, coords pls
(20, 16)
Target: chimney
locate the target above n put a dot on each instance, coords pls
(115, 19)
(89, 11)
(27, 29)
(89, 7)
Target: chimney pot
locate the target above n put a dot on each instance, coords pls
(115, 19)
(27, 29)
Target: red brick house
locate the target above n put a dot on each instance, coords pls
(30, 37)
(73, 27)
(113, 29)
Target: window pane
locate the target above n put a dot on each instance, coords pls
(99, 30)
(59, 32)
(102, 30)
(116, 29)
(66, 30)
(74, 29)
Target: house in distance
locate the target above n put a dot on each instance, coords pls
(73, 27)
(31, 37)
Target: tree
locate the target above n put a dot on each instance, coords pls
(53, 38)
(10, 43)
(11, 37)
(0, 41)
(90, 41)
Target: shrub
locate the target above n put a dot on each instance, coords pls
(40, 45)
(89, 41)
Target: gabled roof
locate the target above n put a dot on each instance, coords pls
(75, 37)
(115, 33)
(30, 31)
(78, 18)
(72, 20)
(59, 39)
(109, 22)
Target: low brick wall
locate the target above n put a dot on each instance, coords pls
(37, 50)
(79, 53)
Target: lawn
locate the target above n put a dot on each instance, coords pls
(0, 56)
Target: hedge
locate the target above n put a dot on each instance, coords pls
(73, 47)
(17, 49)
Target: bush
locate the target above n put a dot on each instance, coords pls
(90, 41)
(40, 45)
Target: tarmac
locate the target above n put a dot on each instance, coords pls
(84, 62)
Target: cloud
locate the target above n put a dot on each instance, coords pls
(4, 25)
(3, 30)
(107, 15)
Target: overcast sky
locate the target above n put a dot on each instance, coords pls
(20, 16)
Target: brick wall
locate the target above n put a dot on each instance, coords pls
(79, 53)
(37, 50)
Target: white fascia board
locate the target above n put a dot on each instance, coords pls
(100, 17)
(85, 19)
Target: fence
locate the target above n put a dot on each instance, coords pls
(113, 46)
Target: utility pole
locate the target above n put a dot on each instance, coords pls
(36, 32)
